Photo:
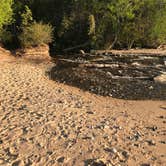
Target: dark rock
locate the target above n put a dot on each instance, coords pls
(61, 159)
(151, 142)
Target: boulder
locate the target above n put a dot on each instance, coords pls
(161, 78)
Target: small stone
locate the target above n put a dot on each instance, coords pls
(13, 150)
(114, 150)
(17, 163)
(82, 52)
(106, 127)
(125, 154)
(61, 159)
(90, 112)
(135, 64)
(151, 142)
(145, 164)
(1, 142)
(163, 142)
(151, 87)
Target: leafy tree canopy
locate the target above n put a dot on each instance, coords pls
(5, 12)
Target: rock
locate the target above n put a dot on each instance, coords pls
(1, 142)
(90, 112)
(145, 164)
(61, 159)
(136, 64)
(114, 150)
(18, 163)
(125, 154)
(165, 61)
(161, 117)
(151, 142)
(96, 162)
(153, 128)
(13, 150)
(161, 79)
(82, 52)
(151, 87)
(163, 142)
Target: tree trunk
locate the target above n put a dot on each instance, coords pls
(112, 44)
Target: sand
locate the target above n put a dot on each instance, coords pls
(45, 123)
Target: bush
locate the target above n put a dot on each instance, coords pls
(36, 34)
(5, 37)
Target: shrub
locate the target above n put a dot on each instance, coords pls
(5, 37)
(26, 16)
(36, 34)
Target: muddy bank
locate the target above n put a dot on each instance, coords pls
(120, 76)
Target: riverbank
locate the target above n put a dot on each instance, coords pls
(47, 123)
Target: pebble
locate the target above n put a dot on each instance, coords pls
(61, 159)
(125, 154)
(145, 164)
(163, 142)
(151, 142)
(114, 150)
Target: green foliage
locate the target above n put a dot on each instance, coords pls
(158, 30)
(5, 12)
(102, 24)
(5, 36)
(26, 16)
(36, 34)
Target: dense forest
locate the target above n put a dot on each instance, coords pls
(87, 24)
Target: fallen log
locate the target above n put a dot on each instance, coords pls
(67, 63)
(75, 47)
(131, 78)
(94, 65)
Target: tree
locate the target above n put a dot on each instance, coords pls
(5, 12)
(158, 30)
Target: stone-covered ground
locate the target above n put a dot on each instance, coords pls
(45, 123)
(123, 76)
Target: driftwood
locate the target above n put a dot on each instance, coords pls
(94, 65)
(133, 52)
(112, 44)
(71, 63)
(67, 63)
(75, 47)
(130, 78)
